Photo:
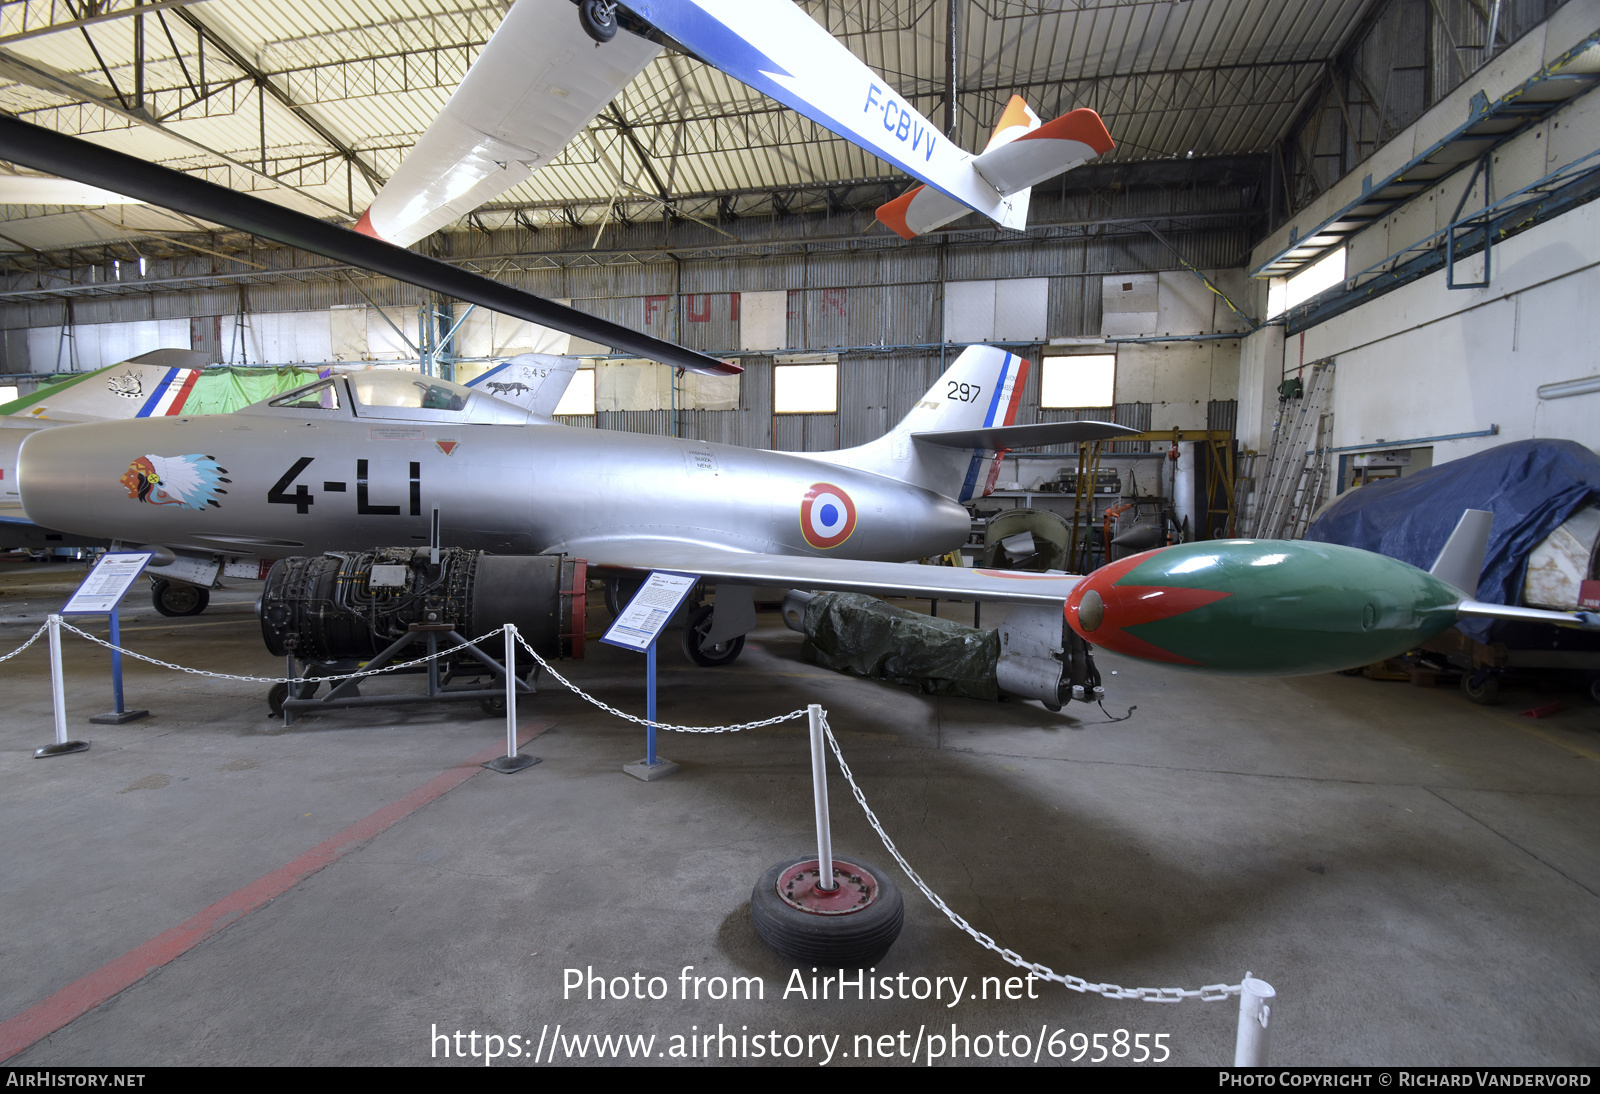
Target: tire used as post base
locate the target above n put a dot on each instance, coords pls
(506, 765)
(61, 749)
(851, 931)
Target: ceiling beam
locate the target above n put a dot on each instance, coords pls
(46, 78)
(136, 8)
(265, 82)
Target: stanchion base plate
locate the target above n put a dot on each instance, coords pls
(509, 764)
(118, 717)
(650, 772)
(60, 749)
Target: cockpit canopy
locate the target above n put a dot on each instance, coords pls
(397, 396)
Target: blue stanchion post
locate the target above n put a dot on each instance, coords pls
(650, 705)
(117, 715)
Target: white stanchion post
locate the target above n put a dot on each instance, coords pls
(511, 761)
(58, 697)
(511, 691)
(819, 796)
(1255, 1012)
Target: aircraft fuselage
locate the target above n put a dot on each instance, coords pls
(274, 482)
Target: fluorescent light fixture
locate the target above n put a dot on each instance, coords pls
(1569, 387)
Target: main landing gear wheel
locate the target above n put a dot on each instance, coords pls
(599, 19)
(178, 598)
(1482, 687)
(702, 652)
(850, 928)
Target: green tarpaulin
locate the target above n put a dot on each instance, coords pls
(861, 635)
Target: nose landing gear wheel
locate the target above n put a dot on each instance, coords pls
(178, 598)
(851, 927)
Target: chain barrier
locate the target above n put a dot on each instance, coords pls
(42, 628)
(269, 679)
(609, 709)
(1210, 993)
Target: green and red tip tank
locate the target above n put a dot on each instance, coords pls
(1261, 607)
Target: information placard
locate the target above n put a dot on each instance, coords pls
(107, 583)
(650, 610)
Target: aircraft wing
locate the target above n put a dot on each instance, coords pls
(537, 83)
(810, 572)
(71, 157)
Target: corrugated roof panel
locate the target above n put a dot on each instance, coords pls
(1168, 77)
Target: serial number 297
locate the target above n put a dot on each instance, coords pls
(1137, 1048)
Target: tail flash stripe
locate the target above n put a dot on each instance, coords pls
(1018, 381)
(154, 401)
(974, 469)
(997, 399)
(181, 395)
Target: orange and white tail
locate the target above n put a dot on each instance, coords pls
(1021, 153)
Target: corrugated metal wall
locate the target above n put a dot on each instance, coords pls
(878, 303)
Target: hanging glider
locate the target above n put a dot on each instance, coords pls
(548, 71)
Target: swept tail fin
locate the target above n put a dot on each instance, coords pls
(533, 381)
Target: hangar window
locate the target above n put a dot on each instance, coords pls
(578, 399)
(1080, 380)
(805, 389)
(1284, 293)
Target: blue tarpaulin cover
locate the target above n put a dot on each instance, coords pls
(1531, 487)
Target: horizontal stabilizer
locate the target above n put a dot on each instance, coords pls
(1024, 436)
(1045, 152)
(920, 210)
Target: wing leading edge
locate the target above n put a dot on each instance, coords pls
(807, 572)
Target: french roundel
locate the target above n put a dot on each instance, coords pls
(827, 515)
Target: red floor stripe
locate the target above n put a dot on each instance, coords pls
(86, 993)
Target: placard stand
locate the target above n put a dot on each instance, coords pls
(117, 715)
(98, 594)
(637, 627)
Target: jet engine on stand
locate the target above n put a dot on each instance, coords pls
(336, 612)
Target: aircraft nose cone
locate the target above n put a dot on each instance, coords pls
(1091, 610)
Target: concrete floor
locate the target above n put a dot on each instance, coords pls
(1417, 876)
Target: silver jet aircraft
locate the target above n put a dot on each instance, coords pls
(362, 459)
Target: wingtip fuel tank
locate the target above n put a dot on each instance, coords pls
(1261, 607)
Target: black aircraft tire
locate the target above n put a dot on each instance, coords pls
(599, 20)
(178, 598)
(697, 650)
(1486, 693)
(856, 940)
(276, 694)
